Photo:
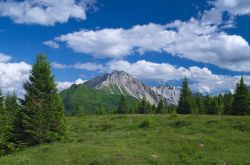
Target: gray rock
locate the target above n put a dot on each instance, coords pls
(120, 82)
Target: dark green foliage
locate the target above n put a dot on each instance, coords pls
(186, 103)
(43, 112)
(142, 108)
(211, 105)
(241, 104)
(145, 123)
(228, 101)
(199, 103)
(122, 109)
(161, 107)
(7, 142)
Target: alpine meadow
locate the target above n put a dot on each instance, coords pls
(102, 82)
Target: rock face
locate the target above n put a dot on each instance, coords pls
(124, 83)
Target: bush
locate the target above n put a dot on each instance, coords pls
(145, 123)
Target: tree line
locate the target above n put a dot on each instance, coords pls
(225, 104)
(38, 117)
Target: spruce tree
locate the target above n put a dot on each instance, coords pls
(142, 108)
(122, 109)
(241, 99)
(43, 112)
(2, 125)
(161, 107)
(186, 102)
(10, 113)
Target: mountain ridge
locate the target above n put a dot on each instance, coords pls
(120, 82)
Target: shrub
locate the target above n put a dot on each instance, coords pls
(145, 123)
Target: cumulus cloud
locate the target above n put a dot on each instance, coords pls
(51, 44)
(84, 66)
(13, 75)
(198, 39)
(202, 79)
(4, 57)
(44, 12)
(64, 85)
(192, 40)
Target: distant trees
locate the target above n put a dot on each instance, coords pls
(40, 116)
(186, 102)
(122, 109)
(161, 107)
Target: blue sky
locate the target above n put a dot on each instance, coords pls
(158, 41)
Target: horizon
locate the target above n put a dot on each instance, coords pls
(207, 41)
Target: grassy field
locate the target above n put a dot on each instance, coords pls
(169, 139)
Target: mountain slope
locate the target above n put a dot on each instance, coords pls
(82, 99)
(119, 82)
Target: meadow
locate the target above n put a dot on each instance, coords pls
(145, 139)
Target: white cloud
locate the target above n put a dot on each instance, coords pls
(84, 66)
(202, 79)
(234, 7)
(4, 57)
(193, 40)
(51, 44)
(198, 39)
(13, 75)
(64, 85)
(44, 12)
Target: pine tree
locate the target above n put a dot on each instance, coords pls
(122, 109)
(227, 102)
(161, 107)
(241, 99)
(2, 125)
(10, 114)
(186, 102)
(142, 108)
(43, 112)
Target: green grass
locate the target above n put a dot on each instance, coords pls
(89, 100)
(167, 139)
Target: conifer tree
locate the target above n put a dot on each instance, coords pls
(186, 102)
(142, 108)
(10, 114)
(43, 112)
(2, 125)
(122, 109)
(227, 102)
(241, 99)
(161, 107)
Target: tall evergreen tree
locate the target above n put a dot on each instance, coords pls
(43, 112)
(122, 109)
(186, 102)
(161, 107)
(241, 99)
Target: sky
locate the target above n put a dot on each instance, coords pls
(157, 41)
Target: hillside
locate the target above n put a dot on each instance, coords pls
(82, 99)
(116, 139)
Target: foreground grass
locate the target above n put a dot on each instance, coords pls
(114, 139)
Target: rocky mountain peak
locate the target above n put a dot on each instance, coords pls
(120, 82)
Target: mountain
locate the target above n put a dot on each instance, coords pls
(82, 99)
(120, 82)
